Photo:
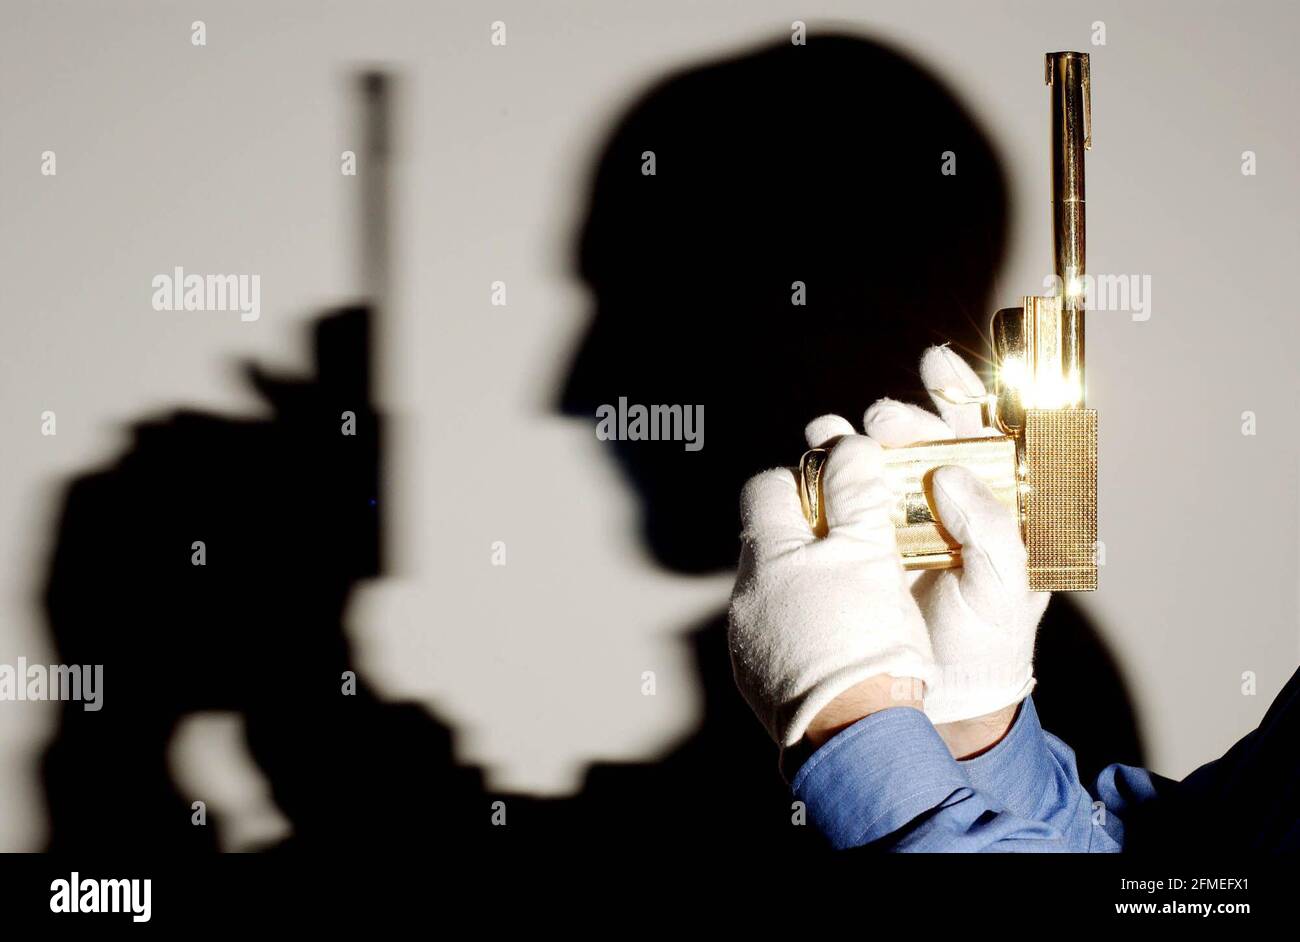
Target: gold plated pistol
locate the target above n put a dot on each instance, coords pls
(1043, 467)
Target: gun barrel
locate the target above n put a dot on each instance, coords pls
(374, 259)
(1067, 76)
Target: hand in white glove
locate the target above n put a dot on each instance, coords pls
(811, 618)
(982, 617)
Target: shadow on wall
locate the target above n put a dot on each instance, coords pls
(821, 165)
(287, 510)
(816, 164)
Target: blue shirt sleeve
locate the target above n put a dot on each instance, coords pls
(889, 780)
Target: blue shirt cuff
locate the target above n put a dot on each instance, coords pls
(1020, 772)
(876, 776)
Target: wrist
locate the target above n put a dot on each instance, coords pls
(967, 739)
(861, 700)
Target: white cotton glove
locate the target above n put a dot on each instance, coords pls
(982, 617)
(810, 617)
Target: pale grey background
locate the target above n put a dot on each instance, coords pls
(225, 159)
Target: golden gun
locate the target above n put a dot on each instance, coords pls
(1043, 467)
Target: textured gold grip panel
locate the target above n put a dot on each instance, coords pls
(1060, 499)
(923, 543)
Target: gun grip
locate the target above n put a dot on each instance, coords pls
(923, 543)
(1059, 500)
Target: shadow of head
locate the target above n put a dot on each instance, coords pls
(796, 246)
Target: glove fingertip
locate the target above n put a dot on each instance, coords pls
(856, 457)
(893, 423)
(960, 498)
(957, 478)
(943, 368)
(824, 429)
(770, 497)
(986, 528)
